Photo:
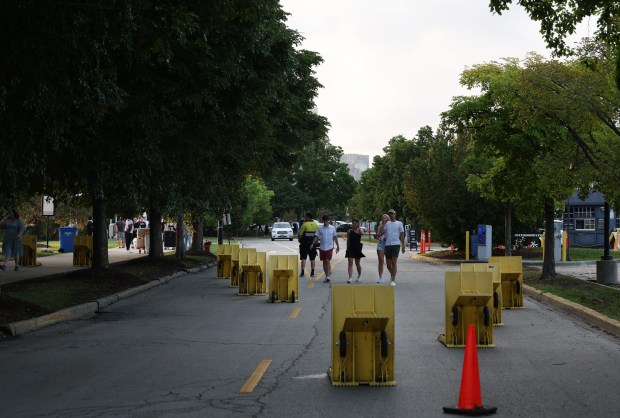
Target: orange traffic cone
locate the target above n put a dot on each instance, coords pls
(470, 399)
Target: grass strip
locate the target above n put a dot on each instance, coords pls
(600, 298)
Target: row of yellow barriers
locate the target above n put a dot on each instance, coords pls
(249, 272)
(82, 251)
(362, 316)
(476, 295)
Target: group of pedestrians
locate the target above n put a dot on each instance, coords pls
(390, 242)
(126, 231)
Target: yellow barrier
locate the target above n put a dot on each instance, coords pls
(283, 278)
(83, 251)
(469, 301)
(253, 272)
(362, 336)
(234, 264)
(511, 273)
(497, 284)
(142, 235)
(224, 260)
(29, 243)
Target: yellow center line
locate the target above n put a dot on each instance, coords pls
(251, 383)
(295, 313)
(311, 285)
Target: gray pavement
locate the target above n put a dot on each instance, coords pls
(187, 349)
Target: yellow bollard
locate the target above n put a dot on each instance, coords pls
(542, 246)
(467, 246)
(564, 245)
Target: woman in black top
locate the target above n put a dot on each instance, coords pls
(354, 250)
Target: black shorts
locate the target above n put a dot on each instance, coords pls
(305, 252)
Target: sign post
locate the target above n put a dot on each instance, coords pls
(47, 205)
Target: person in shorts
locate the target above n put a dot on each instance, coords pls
(306, 238)
(380, 236)
(119, 226)
(394, 243)
(326, 235)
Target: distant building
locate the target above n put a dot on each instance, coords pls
(584, 220)
(357, 164)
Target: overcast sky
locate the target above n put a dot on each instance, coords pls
(392, 66)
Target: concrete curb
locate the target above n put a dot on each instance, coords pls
(588, 315)
(88, 309)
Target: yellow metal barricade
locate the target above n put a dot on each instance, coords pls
(511, 273)
(497, 287)
(234, 264)
(469, 301)
(362, 336)
(224, 260)
(253, 272)
(83, 251)
(142, 235)
(29, 258)
(283, 278)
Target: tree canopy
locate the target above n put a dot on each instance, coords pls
(127, 106)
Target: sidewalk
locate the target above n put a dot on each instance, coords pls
(57, 264)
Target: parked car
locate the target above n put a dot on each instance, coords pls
(344, 227)
(281, 230)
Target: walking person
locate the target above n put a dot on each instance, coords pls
(119, 226)
(354, 250)
(394, 243)
(326, 236)
(306, 239)
(128, 234)
(89, 226)
(380, 236)
(12, 242)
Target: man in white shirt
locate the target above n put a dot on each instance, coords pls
(394, 243)
(328, 236)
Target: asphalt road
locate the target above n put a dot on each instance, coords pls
(187, 348)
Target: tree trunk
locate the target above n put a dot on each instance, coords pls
(548, 271)
(197, 224)
(100, 242)
(507, 228)
(180, 252)
(156, 246)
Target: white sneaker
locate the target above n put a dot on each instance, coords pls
(349, 281)
(380, 280)
(393, 283)
(359, 279)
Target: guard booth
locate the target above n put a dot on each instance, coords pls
(469, 301)
(497, 287)
(224, 260)
(511, 273)
(283, 278)
(83, 251)
(362, 336)
(485, 242)
(29, 258)
(252, 272)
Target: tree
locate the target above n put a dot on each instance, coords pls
(165, 88)
(318, 179)
(256, 207)
(559, 18)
